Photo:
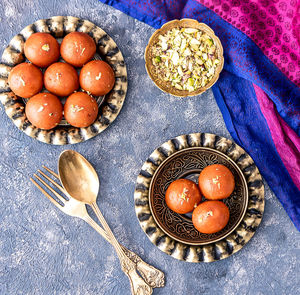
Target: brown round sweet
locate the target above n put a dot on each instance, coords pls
(182, 196)
(97, 77)
(210, 217)
(216, 182)
(25, 80)
(42, 49)
(80, 109)
(77, 48)
(61, 79)
(44, 110)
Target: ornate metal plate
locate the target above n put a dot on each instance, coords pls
(188, 163)
(233, 156)
(109, 106)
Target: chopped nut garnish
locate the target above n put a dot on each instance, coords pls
(45, 104)
(76, 108)
(22, 81)
(98, 77)
(82, 51)
(50, 114)
(46, 47)
(40, 109)
(196, 205)
(219, 185)
(184, 195)
(209, 213)
(186, 57)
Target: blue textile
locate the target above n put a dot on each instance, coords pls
(234, 91)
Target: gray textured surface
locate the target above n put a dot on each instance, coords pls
(43, 251)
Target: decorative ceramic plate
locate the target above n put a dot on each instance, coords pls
(109, 105)
(183, 23)
(184, 157)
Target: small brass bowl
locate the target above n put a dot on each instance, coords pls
(166, 85)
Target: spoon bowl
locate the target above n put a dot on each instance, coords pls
(78, 177)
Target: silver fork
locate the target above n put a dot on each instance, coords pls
(152, 276)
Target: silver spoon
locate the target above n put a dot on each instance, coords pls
(81, 181)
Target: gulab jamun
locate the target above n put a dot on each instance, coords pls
(61, 79)
(80, 109)
(182, 196)
(97, 77)
(77, 48)
(25, 80)
(216, 182)
(44, 110)
(210, 217)
(41, 49)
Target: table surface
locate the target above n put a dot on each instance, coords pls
(43, 251)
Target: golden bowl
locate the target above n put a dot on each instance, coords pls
(166, 85)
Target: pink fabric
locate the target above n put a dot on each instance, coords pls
(285, 139)
(272, 24)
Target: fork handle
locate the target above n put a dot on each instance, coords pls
(152, 276)
(137, 284)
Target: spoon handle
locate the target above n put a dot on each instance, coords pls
(151, 275)
(138, 285)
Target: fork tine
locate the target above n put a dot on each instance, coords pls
(45, 193)
(52, 181)
(50, 171)
(50, 188)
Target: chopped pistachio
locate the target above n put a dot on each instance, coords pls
(180, 72)
(76, 108)
(190, 81)
(46, 47)
(185, 57)
(178, 86)
(157, 59)
(209, 42)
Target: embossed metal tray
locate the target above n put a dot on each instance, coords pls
(216, 149)
(109, 106)
(188, 163)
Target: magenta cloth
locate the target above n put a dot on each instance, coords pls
(286, 141)
(274, 26)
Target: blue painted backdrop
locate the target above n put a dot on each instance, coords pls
(43, 251)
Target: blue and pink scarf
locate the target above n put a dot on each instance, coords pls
(258, 91)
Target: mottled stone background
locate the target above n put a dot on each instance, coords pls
(43, 251)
